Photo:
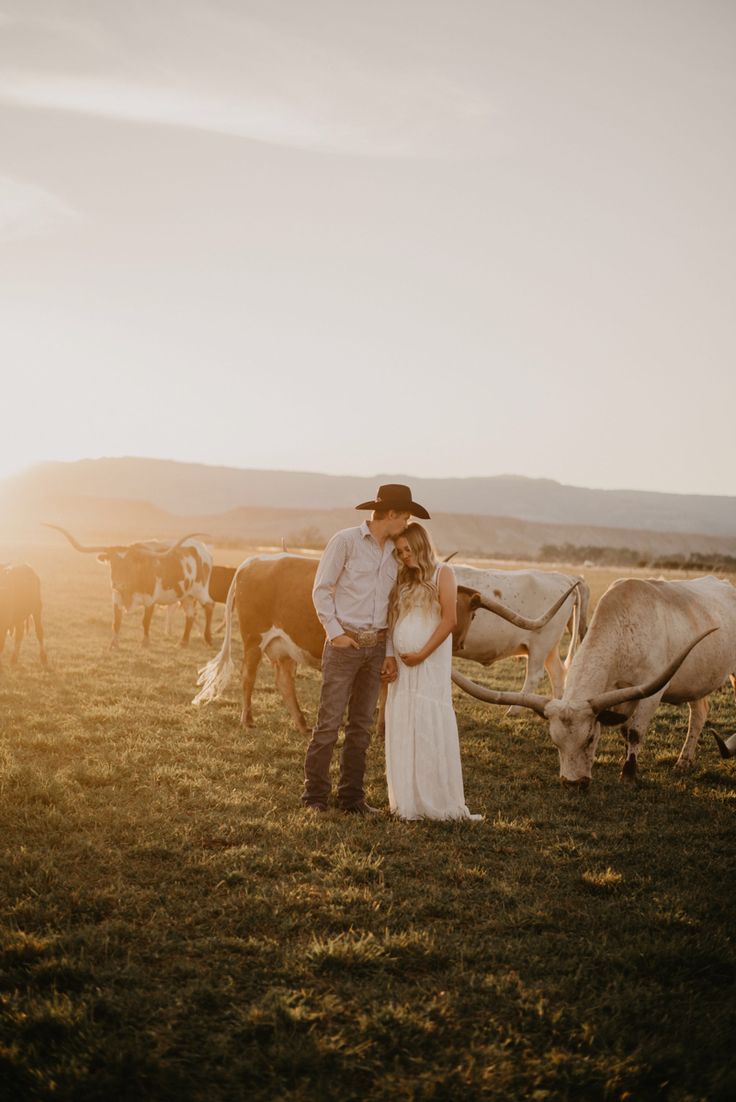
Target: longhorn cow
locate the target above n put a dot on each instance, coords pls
(530, 592)
(635, 655)
(151, 573)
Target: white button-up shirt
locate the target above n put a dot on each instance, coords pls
(354, 581)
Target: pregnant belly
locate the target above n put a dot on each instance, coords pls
(412, 632)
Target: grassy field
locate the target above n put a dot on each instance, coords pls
(175, 927)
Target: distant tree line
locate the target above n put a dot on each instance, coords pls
(628, 556)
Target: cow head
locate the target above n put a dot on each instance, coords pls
(132, 571)
(468, 602)
(575, 728)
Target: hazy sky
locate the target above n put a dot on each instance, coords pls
(438, 237)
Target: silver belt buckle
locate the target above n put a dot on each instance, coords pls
(367, 638)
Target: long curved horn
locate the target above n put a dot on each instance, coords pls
(647, 688)
(524, 622)
(80, 547)
(493, 696)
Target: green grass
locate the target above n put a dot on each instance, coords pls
(174, 927)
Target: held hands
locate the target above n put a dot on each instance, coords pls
(389, 670)
(343, 642)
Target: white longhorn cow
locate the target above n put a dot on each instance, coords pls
(530, 593)
(635, 655)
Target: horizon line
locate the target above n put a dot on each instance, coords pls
(23, 471)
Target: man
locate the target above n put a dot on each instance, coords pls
(351, 594)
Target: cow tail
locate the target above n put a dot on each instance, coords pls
(215, 676)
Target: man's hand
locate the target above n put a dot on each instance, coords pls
(343, 642)
(413, 659)
(389, 670)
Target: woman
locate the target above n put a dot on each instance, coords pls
(422, 750)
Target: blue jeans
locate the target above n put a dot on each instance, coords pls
(351, 679)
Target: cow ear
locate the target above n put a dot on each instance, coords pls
(610, 719)
(475, 602)
(103, 557)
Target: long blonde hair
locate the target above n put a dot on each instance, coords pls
(415, 585)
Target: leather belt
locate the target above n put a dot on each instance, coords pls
(366, 637)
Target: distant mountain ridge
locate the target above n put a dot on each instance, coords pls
(191, 489)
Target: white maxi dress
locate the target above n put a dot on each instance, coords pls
(423, 769)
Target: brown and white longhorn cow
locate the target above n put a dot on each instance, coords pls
(20, 599)
(273, 597)
(635, 655)
(154, 573)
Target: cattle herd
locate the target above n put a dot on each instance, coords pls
(648, 641)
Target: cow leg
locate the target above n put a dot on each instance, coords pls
(556, 671)
(698, 714)
(532, 681)
(147, 617)
(19, 632)
(169, 619)
(634, 733)
(252, 655)
(38, 626)
(188, 605)
(208, 613)
(285, 669)
(732, 678)
(117, 619)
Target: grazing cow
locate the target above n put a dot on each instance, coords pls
(529, 592)
(635, 655)
(273, 595)
(20, 599)
(155, 573)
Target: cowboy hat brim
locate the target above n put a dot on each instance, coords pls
(404, 507)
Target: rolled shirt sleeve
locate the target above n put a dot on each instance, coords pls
(323, 593)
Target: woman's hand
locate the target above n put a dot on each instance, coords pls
(413, 659)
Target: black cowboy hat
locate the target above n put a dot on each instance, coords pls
(396, 497)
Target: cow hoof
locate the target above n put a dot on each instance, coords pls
(208, 640)
(628, 772)
(514, 710)
(683, 764)
(184, 643)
